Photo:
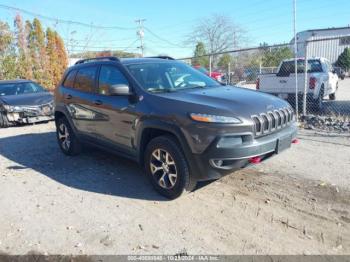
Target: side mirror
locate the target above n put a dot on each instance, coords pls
(119, 90)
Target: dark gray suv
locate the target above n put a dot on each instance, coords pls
(178, 123)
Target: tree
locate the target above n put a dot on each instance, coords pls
(344, 59)
(53, 70)
(199, 58)
(63, 58)
(218, 33)
(8, 67)
(37, 51)
(29, 52)
(23, 61)
(272, 57)
(225, 60)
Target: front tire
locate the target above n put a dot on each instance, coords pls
(66, 138)
(167, 168)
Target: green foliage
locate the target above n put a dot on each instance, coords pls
(7, 53)
(199, 53)
(31, 53)
(225, 60)
(272, 57)
(344, 59)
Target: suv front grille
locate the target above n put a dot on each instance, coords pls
(271, 121)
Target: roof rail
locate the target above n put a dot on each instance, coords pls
(103, 58)
(162, 57)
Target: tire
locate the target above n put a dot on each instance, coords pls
(319, 100)
(66, 138)
(4, 122)
(332, 96)
(163, 160)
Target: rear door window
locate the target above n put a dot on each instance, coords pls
(69, 81)
(85, 79)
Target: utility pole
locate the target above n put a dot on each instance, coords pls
(141, 34)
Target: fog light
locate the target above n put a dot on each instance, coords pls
(219, 162)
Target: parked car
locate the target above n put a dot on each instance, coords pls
(214, 74)
(251, 74)
(340, 72)
(179, 124)
(322, 81)
(24, 101)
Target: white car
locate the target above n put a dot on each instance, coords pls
(322, 81)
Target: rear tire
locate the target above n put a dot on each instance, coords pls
(332, 96)
(319, 100)
(4, 122)
(167, 167)
(66, 138)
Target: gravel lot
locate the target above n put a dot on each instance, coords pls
(95, 203)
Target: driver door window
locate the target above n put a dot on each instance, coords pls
(110, 75)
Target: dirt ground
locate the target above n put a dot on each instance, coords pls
(295, 203)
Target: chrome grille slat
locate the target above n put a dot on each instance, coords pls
(266, 123)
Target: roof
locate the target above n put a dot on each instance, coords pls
(127, 61)
(327, 29)
(15, 81)
(303, 58)
(111, 59)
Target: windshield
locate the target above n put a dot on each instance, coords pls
(20, 89)
(169, 76)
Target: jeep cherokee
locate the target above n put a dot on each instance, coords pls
(178, 123)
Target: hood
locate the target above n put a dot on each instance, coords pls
(28, 99)
(226, 100)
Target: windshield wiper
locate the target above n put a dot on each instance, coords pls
(160, 90)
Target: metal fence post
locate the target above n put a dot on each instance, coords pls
(229, 74)
(210, 65)
(305, 79)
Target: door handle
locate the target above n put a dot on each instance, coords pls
(98, 102)
(69, 96)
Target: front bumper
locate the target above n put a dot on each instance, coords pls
(220, 159)
(22, 118)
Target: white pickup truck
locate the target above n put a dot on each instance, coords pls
(322, 81)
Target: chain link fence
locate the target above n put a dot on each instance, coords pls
(317, 85)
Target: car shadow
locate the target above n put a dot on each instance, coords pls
(93, 170)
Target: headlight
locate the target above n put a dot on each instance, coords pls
(10, 109)
(214, 119)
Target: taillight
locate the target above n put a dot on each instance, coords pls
(312, 82)
(257, 84)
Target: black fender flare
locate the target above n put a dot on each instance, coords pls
(169, 127)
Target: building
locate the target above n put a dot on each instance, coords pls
(334, 43)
